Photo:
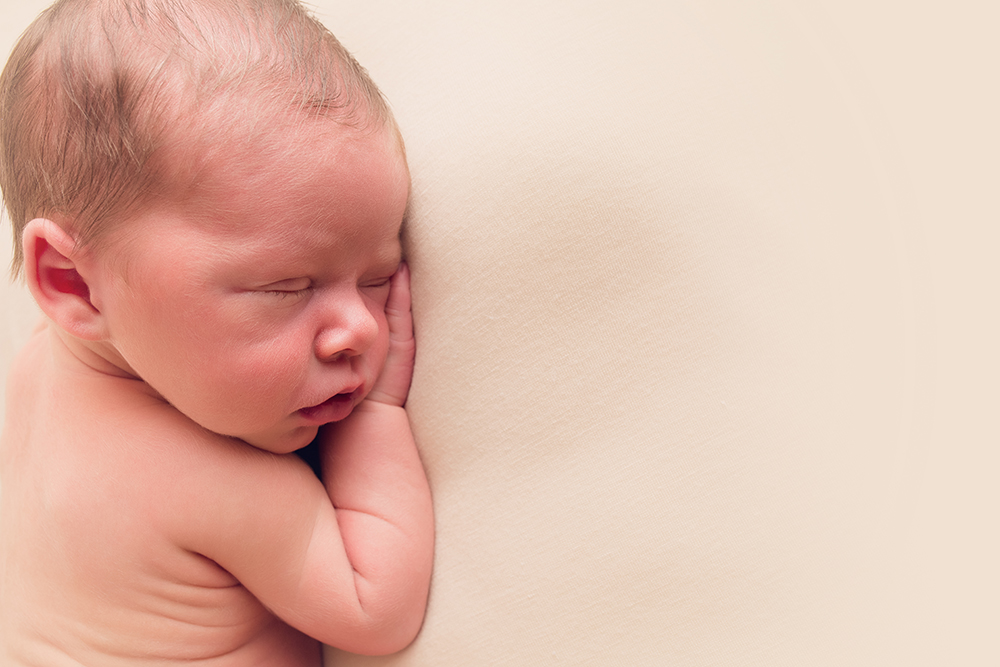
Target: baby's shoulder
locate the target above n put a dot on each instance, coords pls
(176, 452)
(112, 443)
(197, 490)
(217, 496)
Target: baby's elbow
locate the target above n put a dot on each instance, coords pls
(383, 634)
(381, 645)
(382, 623)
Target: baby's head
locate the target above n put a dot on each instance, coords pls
(108, 106)
(209, 194)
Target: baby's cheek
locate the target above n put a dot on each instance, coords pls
(260, 373)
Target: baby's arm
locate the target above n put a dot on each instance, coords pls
(377, 485)
(350, 564)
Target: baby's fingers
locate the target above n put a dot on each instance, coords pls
(393, 383)
(397, 307)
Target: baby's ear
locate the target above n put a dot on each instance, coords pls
(51, 268)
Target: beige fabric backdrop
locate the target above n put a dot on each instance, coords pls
(706, 297)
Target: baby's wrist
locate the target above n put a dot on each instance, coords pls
(376, 404)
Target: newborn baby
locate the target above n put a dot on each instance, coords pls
(207, 198)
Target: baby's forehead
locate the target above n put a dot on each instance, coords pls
(270, 153)
(292, 169)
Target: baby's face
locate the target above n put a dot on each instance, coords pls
(260, 315)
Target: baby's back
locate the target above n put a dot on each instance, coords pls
(90, 574)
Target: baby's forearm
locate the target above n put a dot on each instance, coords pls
(375, 479)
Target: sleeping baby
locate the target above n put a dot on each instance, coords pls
(206, 198)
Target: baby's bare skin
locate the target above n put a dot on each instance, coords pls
(132, 533)
(93, 547)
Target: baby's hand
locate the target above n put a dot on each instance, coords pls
(393, 383)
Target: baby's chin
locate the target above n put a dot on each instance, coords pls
(285, 443)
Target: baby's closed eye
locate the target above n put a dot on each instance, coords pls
(286, 288)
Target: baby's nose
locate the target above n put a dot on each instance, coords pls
(348, 333)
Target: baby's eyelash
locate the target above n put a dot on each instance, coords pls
(284, 294)
(286, 288)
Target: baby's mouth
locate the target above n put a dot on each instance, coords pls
(332, 409)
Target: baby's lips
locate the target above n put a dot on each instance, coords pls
(333, 409)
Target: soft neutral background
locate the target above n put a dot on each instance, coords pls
(707, 306)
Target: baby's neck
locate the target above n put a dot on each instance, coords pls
(94, 357)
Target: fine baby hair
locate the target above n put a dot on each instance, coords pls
(106, 105)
